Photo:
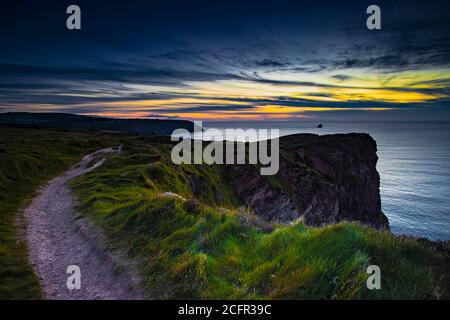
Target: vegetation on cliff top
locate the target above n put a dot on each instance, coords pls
(28, 159)
(193, 239)
(189, 234)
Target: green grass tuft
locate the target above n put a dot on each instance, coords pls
(190, 235)
(28, 159)
(202, 245)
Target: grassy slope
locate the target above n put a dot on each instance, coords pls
(202, 246)
(29, 158)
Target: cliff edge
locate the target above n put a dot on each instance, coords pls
(322, 180)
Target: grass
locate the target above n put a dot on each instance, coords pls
(204, 244)
(29, 157)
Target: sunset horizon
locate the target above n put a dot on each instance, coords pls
(225, 155)
(220, 61)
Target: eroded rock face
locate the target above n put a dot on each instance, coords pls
(322, 180)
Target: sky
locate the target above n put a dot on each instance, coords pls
(228, 60)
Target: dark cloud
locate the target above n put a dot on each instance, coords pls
(205, 108)
(271, 63)
(169, 44)
(108, 72)
(341, 77)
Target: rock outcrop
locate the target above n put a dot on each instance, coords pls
(322, 180)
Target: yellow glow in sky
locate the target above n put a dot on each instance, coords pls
(279, 95)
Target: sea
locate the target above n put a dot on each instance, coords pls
(414, 168)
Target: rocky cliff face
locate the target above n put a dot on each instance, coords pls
(322, 179)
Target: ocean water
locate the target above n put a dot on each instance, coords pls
(414, 167)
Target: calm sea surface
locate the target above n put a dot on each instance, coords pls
(414, 166)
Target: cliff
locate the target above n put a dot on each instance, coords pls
(161, 127)
(321, 180)
(193, 240)
(185, 230)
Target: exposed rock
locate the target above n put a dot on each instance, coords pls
(322, 179)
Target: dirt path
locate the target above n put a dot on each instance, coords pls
(57, 238)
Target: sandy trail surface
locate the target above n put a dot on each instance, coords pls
(57, 238)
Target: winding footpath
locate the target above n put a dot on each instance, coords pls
(57, 238)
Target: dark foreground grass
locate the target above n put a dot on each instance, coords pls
(29, 158)
(193, 240)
